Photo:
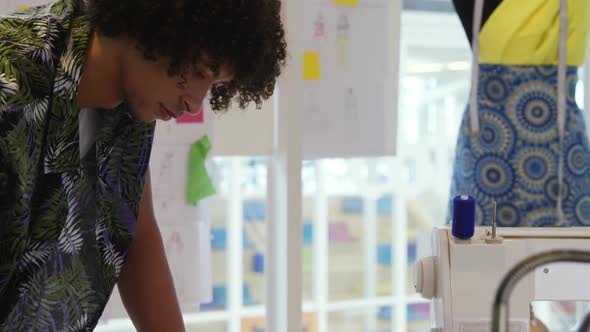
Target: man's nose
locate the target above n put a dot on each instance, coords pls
(191, 105)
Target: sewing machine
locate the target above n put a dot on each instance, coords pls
(461, 276)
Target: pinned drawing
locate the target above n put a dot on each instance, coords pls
(318, 121)
(319, 31)
(319, 28)
(351, 112)
(162, 179)
(342, 39)
(350, 104)
(175, 243)
(174, 248)
(182, 247)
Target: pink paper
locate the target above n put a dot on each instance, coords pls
(190, 118)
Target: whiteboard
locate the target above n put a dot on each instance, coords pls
(350, 111)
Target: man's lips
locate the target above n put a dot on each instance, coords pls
(166, 111)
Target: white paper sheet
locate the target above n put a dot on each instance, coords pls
(168, 166)
(345, 111)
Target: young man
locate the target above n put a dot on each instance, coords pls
(81, 83)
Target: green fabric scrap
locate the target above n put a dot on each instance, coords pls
(199, 183)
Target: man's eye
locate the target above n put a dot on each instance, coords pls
(182, 83)
(199, 74)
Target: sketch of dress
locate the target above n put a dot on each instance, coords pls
(352, 116)
(175, 253)
(319, 32)
(342, 39)
(163, 177)
(318, 121)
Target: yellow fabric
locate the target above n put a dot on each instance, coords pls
(526, 32)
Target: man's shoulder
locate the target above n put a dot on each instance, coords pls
(32, 27)
(29, 49)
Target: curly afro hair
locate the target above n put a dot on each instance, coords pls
(247, 35)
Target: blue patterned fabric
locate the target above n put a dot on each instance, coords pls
(514, 160)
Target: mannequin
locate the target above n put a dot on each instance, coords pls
(464, 9)
(522, 142)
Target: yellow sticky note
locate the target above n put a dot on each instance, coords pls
(311, 66)
(351, 3)
(22, 8)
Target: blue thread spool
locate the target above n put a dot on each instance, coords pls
(463, 217)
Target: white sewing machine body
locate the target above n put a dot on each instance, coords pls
(461, 278)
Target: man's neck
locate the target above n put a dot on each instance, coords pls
(101, 85)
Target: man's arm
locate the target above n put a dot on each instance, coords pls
(145, 282)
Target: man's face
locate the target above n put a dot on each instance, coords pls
(153, 94)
